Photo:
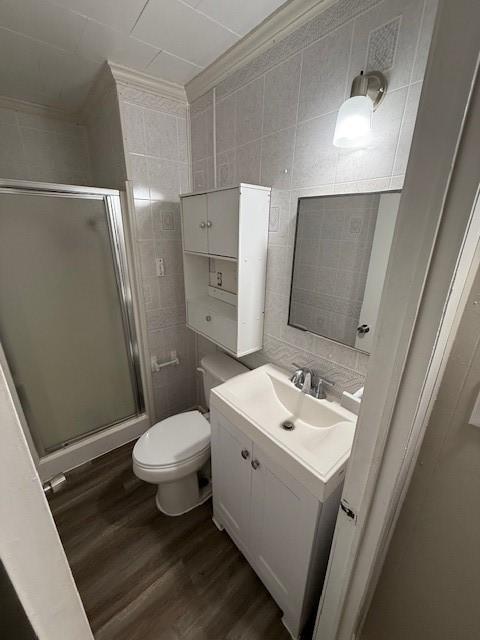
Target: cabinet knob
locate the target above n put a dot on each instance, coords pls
(363, 329)
(245, 454)
(209, 223)
(208, 318)
(202, 225)
(255, 464)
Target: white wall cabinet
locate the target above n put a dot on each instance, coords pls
(225, 237)
(281, 528)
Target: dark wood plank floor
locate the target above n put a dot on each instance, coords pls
(143, 575)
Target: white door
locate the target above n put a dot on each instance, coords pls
(194, 216)
(222, 222)
(231, 473)
(283, 517)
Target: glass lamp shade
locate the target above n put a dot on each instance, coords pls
(354, 122)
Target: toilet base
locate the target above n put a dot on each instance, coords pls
(181, 496)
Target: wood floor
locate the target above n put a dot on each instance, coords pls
(143, 575)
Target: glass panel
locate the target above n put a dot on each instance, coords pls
(61, 322)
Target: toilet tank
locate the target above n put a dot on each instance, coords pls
(217, 368)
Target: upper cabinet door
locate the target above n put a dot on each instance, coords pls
(194, 216)
(222, 222)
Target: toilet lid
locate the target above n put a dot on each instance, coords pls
(173, 440)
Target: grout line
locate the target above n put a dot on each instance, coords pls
(261, 138)
(295, 131)
(420, 33)
(311, 353)
(138, 17)
(302, 48)
(214, 118)
(402, 122)
(301, 122)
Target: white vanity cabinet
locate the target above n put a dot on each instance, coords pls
(225, 237)
(283, 530)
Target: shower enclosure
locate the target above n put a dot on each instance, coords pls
(66, 318)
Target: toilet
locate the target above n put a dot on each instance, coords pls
(174, 453)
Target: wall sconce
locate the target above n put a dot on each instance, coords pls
(354, 119)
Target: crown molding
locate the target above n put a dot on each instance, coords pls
(144, 82)
(45, 111)
(286, 19)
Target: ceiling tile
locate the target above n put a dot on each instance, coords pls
(169, 67)
(43, 21)
(102, 43)
(26, 79)
(176, 27)
(120, 14)
(242, 16)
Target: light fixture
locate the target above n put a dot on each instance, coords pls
(354, 119)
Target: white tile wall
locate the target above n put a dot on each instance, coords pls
(275, 122)
(156, 147)
(35, 147)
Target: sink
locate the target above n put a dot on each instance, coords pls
(323, 431)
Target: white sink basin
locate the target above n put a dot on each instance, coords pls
(265, 398)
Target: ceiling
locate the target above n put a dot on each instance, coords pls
(55, 48)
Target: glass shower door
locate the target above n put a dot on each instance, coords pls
(64, 322)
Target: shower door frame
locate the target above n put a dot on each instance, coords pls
(97, 441)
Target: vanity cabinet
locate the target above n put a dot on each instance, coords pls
(225, 237)
(282, 529)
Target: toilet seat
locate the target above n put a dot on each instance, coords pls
(173, 442)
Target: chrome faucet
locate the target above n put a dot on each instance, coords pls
(320, 392)
(310, 382)
(302, 379)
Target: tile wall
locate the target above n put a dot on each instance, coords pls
(274, 123)
(156, 150)
(40, 148)
(106, 142)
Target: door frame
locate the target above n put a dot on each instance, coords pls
(437, 230)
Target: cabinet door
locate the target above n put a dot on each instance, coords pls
(283, 521)
(222, 222)
(194, 217)
(231, 475)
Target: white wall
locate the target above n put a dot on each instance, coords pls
(105, 140)
(274, 125)
(44, 149)
(30, 548)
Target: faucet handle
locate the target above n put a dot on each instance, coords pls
(319, 388)
(297, 377)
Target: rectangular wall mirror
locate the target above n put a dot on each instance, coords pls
(342, 245)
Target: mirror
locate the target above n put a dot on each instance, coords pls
(342, 244)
